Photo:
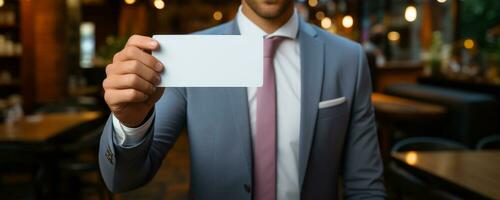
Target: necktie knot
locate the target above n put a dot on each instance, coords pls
(271, 44)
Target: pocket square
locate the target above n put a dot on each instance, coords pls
(331, 102)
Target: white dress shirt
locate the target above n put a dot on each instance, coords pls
(287, 69)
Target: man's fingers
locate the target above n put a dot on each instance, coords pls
(134, 67)
(128, 81)
(134, 53)
(143, 42)
(115, 97)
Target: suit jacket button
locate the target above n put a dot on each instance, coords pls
(247, 188)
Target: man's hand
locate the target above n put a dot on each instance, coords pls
(130, 85)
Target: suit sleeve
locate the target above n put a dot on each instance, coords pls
(124, 168)
(363, 168)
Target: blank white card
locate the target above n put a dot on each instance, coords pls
(210, 60)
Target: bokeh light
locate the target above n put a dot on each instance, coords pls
(393, 36)
(326, 22)
(129, 2)
(469, 43)
(410, 13)
(411, 158)
(313, 3)
(347, 21)
(159, 4)
(217, 15)
(320, 15)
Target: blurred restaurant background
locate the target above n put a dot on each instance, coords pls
(435, 67)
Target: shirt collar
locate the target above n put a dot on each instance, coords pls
(288, 30)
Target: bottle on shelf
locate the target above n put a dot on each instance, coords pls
(9, 47)
(7, 18)
(14, 111)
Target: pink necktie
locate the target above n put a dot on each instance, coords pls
(265, 138)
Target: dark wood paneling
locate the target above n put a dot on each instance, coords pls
(27, 63)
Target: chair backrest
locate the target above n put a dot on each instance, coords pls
(427, 144)
(89, 140)
(408, 184)
(490, 142)
(471, 115)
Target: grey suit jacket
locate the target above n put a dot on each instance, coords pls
(336, 143)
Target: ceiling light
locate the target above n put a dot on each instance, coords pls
(129, 2)
(410, 13)
(326, 22)
(313, 3)
(347, 21)
(159, 4)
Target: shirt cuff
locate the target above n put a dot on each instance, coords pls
(126, 136)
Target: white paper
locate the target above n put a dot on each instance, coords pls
(210, 60)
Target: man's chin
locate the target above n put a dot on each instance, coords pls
(269, 11)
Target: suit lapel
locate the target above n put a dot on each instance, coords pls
(238, 102)
(239, 106)
(312, 63)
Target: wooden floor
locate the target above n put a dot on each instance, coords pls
(172, 180)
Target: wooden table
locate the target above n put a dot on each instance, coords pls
(402, 108)
(391, 110)
(41, 128)
(36, 140)
(475, 171)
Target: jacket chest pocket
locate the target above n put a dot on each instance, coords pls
(333, 108)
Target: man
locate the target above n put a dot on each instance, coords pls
(310, 125)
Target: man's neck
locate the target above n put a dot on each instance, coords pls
(267, 25)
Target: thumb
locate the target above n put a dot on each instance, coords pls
(155, 96)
